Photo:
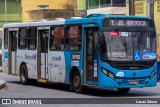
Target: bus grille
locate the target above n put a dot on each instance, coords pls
(131, 65)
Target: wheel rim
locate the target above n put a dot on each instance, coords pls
(76, 82)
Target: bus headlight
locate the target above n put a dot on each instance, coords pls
(109, 74)
(153, 73)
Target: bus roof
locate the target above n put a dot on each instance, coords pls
(93, 18)
(32, 24)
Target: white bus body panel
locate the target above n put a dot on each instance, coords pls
(29, 57)
(43, 63)
(56, 66)
(5, 60)
(20, 58)
(31, 62)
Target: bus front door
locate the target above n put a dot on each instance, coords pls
(12, 50)
(91, 55)
(42, 61)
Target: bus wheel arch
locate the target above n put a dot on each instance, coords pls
(23, 72)
(75, 80)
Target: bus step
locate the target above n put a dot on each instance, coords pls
(90, 85)
(42, 80)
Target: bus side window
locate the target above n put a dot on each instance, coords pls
(32, 38)
(56, 38)
(52, 44)
(22, 38)
(6, 38)
(73, 38)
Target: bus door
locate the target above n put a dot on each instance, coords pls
(12, 51)
(42, 61)
(5, 52)
(91, 41)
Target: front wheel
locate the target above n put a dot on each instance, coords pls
(123, 90)
(77, 86)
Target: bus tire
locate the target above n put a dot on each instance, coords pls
(32, 81)
(77, 86)
(123, 90)
(24, 75)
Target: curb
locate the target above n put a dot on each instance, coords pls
(2, 84)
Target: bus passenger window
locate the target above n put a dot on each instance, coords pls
(52, 43)
(73, 38)
(6, 38)
(56, 38)
(32, 38)
(22, 38)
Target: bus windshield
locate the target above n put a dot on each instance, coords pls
(129, 46)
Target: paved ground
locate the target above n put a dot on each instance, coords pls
(15, 90)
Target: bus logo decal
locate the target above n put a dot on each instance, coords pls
(120, 74)
(6, 54)
(33, 56)
(56, 58)
(134, 74)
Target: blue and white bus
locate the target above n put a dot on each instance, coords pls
(100, 50)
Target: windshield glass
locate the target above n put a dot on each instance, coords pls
(129, 46)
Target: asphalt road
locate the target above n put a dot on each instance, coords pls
(15, 90)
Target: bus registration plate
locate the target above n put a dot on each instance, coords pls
(133, 82)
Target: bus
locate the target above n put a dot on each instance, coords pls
(99, 50)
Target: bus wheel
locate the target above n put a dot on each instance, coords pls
(123, 90)
(77, 86)
(24, 75)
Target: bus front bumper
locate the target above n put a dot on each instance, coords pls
(127, 83)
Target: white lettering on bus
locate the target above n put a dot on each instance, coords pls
(119, 54)
(136, 23)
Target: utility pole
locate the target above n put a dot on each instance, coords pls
(99, 3)
(150, 8)
(131, 7)
(88, 4)
(5, 11)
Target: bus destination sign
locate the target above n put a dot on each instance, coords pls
(128, 23)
